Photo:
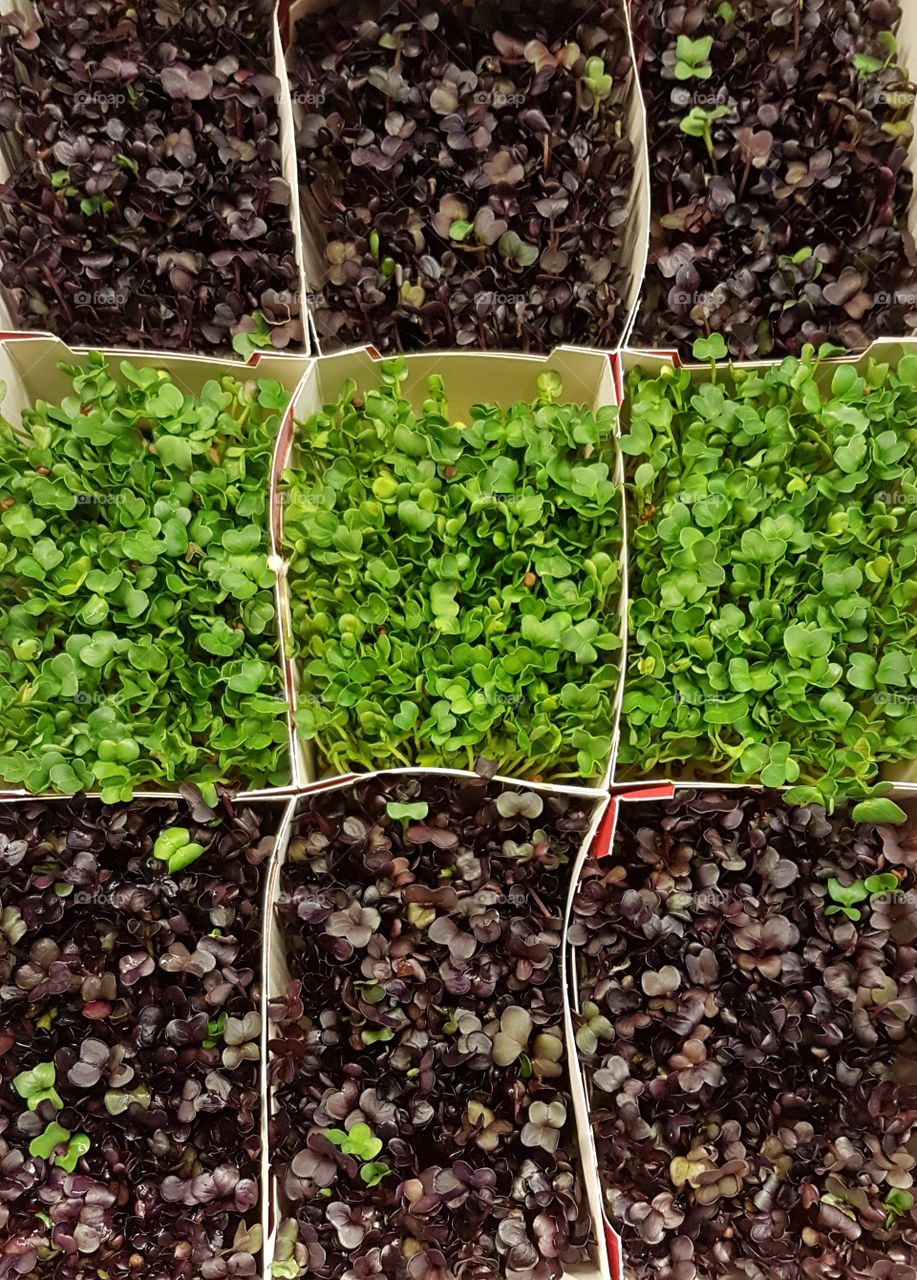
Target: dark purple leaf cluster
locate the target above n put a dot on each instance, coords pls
(423, 1127)
(754, 1082)
(138, 992)
(780, 184)
(146, 206)
(467, 171)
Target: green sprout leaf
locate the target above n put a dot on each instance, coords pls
(373, 1173)
(699, 122)
(375, 1035)
(879, 809)
(175, 847)
(359, 1141)
(407, 812)
(881, 884)
(37, 1086)
(78, 1146)
(255, 337)
(692, 58)
(896, 1204)
(515, 251)
(712, 348)
(866, 64)
(598, 82)
(845, 896)
(54, 1135)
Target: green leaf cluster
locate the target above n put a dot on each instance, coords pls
(137, 626)
(454, 587)
(844, 897)
(360, 1141)
(774, 545)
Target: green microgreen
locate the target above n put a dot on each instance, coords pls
(399, 812)
(78, 1146)
(375, 1035)
(454, 586)
(215, 1029)
(879, 885)
(285, 1265)
(37, 1086)
(879, 809)
(692, 58)
(256, 336)
(54, 1135)
(896, 1204)
(359, 1141)
(137, 638)
(594, 1026)
(844, 898)
(774, 544)
(598, 82)
(373, 1173)
(175, 847)
(699, 122)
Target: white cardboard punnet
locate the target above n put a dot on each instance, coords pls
(470, 378)
(635, 235)
(652, 363)
(276, 975)
(642, 219)
(601, 848)
(273, 970)
(907, 56)
(30, 368)
(11, 160)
